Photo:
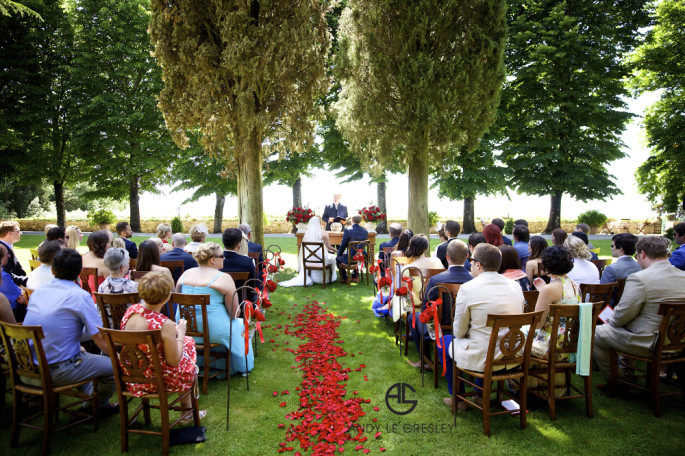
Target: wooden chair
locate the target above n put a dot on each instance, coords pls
(531, 298)
(597, 292)
(173, 266)
(130, 363)
(137, 275)
(620, 285)
(132, 263)
(113, 306)
(33, 264)
(254, 256)
(515, 349)
(569, 344)
(388, 250)
(187, 308)
(448, 292)
(86, 283)
(669, 351)
(601, 264)
(34, 254)
(18, 340)
(410, 272)
(314, 259)
(239, 275)
(403, 260)
(351, 265)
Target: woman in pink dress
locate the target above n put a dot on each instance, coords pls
(178, 350)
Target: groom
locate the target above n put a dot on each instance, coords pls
(355, 233)
(334, 211)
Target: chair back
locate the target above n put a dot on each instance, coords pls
(253, 255)
(402, 260)
(620, 285)
(34, 254)
(22, 343)
(448, 293)
(353, 248)
(313, 255)
(568, 343)
(33, 264)
(531, 298)
(85, 275)
(514, 345)
(388, 250)
(176, 267)
(132, 263)
(137, 275)
(113, 306)
(188, 305)
(430, 272)
(412, 272)
(601, 264)
(672, 329)
(597, 292)
(238, 275)
(139, 360)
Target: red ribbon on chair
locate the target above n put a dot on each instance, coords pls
(247, 309)
(410, 287)
(359, 258)
(431, 312)
(384, 282)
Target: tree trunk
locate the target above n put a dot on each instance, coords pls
(250, 186)
(554, 221)
(469, 224)
(59, 203)
(297, 192)
(417, 218)
(218, 212)
(134, 203)
(382, 226)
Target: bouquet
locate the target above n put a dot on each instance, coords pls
(299, 215)
(372, 214)
(405, 298)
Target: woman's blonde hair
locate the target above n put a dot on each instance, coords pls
(155, 287)
(163, 229)
(74, 234)
(207, 251)
(198, 232)
(577, 248)
(118, 243)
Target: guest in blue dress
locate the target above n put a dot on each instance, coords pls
(223, 305)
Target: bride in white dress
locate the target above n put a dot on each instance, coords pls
(314, 233)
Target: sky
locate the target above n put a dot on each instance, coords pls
(318, 191)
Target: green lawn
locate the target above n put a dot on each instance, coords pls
(623, 425)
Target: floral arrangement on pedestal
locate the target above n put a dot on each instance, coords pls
(299, 215)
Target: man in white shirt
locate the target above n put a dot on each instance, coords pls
(43, 273)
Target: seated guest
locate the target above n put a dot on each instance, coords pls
(160, 245)
(43, 273)
(622, 248)
(536, 246)
(73, 237)
(118, 243)
(511, 267)
(442, 236)
(474, 240)
(66, 313)
(355, 233)
(584, 271)
(208, 279)
(493, 235)
(402, 244)
(148, 257)
(500, 224)
(117, 263)
(178, 360)
(452, 230)
(252, 247)
(56, 234)
(178, 241)
(634, 326)
(677, 258)
(125, 232)
(9, 235)
(10, 290)
(583, 237)
(164, 234)
(521, 238)
(488, 293)
(417, 251)
(521, 222)
(559, 236)
(585, 228)
(198, 234)
(233, 262)
(98, 242)
(46, 228)
(395, 230)
(457, 273)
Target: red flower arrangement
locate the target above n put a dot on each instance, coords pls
(372, 214)
(299, 215)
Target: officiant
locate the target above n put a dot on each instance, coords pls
(335, 212)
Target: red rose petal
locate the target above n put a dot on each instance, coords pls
(377, 434)
(376, 409)
(366, 450)
(282, 404)
(381, 449)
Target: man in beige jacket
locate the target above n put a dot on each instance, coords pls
(635, 323)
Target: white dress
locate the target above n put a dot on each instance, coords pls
(313, 234)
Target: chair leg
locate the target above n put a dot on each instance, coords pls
(613, 371)
(123, 420)
(16, 403)
(588, 395)
(456, 385)
(523, 401)
(486, 406)
(48, 421)
(655, 370)
(551, 386)
(146, 410)
(435, 363)
(164, 412)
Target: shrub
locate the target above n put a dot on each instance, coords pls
(176, 225)
(592, 218)
(509, 226)
(102, 216)
(433, 218)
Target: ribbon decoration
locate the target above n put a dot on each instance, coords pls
(384, 282)
(431, 311)
(278, 262)
(375, 269)
(360, 258)
(410, 287)
(249, 310)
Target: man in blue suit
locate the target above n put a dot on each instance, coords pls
(677, 258)
(452, 230)
(457, 251)
(178, 242)
(354, 233)
(623, 248)
(252, 247)
(334, 211)
(521, 238)
(395, 230)
(233, 262)
(500, 224)
(124, 231)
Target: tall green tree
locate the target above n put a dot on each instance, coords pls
(659, 64)
(563, 109)
(418, 81)
(37, 96)
(243, 73)
(120, 128)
